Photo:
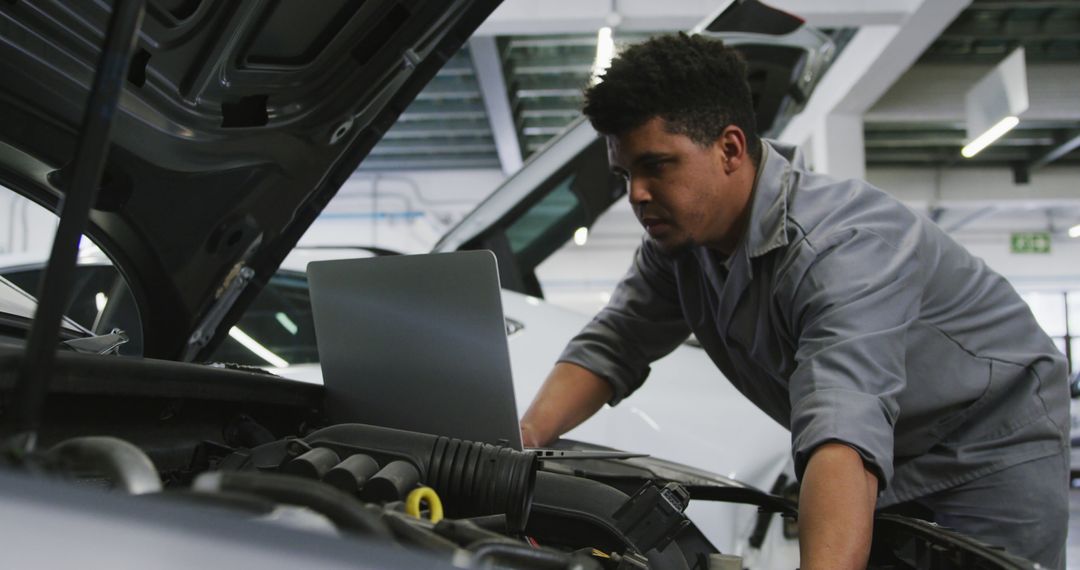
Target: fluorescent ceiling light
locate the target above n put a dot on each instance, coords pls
(1074, 232)
(286, 322)
(992, 134)
(260, 350)
(605, 52)
(581, 235)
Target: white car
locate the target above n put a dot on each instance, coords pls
(687, 412)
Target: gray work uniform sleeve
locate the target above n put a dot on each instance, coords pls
(851, 310)
(641, 323)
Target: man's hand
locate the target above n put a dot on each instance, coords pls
(568, 397)
(836, 509)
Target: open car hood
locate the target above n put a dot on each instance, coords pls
(237, 124)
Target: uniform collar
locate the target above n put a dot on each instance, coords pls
(767, 229)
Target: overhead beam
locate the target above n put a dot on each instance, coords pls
(870, 64)
(978, 187)
(489, 76)
(973, 34)
(864, 50)
(867, 67)
(1071, 143)
(529, 17)
(968, 218)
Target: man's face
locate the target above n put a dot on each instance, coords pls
(685, 195)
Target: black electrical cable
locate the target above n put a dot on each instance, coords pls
(466, 533)
(417, 532)
(79, 197)
(345, 512)
(497, 553)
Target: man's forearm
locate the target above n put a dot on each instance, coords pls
(836, 509)
(568, 397)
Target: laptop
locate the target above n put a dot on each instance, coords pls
(418, 342)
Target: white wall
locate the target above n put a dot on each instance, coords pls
(970, 186)
(998, 207)
(405, 212)
(580, 277)
(1058, 270)
(25, 227)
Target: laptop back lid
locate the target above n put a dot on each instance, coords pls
(416, 342)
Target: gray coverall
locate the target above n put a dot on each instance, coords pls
(848, 317)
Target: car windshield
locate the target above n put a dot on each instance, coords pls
(276, 329)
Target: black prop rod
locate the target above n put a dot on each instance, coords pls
(80, 194)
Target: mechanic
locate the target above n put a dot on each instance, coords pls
(908, 372)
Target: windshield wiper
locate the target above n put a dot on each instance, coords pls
(99, 344)
(80, 194)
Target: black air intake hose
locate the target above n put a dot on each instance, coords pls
(472, 479)
(391, 483)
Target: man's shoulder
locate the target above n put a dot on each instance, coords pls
(822, 209)
(818, 206)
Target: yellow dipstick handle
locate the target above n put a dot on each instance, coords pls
(412, 503)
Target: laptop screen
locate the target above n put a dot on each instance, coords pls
(416, 342)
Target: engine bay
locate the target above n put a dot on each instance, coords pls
(257, 448)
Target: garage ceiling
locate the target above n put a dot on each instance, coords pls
(541, 79)
(983, 34)
(449, 127)
(538, 81)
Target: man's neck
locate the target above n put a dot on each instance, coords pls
(746, 184)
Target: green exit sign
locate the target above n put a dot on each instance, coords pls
(1030, 242)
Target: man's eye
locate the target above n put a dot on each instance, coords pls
(654, 167)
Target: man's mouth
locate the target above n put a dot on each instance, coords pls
(655, 225)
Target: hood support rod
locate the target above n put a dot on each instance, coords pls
(79, 197)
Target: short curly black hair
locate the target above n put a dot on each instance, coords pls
(696, 84)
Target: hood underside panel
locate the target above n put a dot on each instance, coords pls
(238, 122)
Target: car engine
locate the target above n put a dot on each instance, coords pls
(258, 448)
(472, 504)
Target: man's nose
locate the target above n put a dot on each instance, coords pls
(638, 191)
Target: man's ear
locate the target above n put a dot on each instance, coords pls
(732, 145)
